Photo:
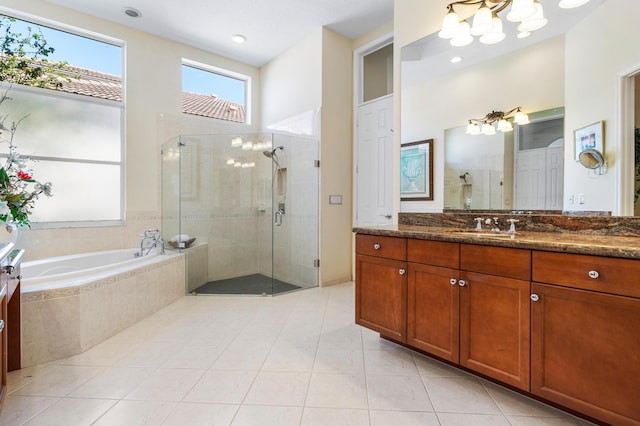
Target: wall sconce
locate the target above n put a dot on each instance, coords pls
(485, 125)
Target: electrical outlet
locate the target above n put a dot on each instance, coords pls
(580, 198)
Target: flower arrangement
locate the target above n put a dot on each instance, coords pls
(18, 188)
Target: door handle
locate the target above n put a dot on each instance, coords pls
(388, 216)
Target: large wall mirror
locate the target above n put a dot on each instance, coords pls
(568, 77)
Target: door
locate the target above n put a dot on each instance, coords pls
(374, 163)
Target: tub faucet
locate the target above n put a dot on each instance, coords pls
(150, 239)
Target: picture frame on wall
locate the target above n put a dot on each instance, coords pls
(416, 171)
(589, 137)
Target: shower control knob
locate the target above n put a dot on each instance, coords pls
(453, 281)
(402, 271)
(593, 274)
(376, 246)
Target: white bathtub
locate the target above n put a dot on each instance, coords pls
(72, 303)
(79, 269)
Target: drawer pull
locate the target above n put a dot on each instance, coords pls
(462, 283)
(376, 246)
(593, 274)
(402, 271)
(535, 297)
(453, 281)
(1, 325)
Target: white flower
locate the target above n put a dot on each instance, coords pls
(4, 209)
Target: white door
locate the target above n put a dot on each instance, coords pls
(374, 163)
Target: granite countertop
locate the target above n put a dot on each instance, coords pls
(565, 242)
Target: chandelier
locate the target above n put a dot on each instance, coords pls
(487, 24)
(485, 125)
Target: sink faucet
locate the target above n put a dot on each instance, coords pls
(150, 239)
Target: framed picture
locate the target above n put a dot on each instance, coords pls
(589, 137)
(416, 171)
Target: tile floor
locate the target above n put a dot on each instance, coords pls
(295, 359)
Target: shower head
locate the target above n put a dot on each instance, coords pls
(270, 154)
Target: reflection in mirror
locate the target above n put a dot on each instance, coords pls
(520, 170)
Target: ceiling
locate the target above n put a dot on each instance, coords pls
(271, 26)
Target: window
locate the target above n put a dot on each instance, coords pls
(215, 93)
(73, 131)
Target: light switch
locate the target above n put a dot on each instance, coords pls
(335, 199)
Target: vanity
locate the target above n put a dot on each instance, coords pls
(552, 311)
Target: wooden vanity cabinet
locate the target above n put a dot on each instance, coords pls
(3, 339)
(381, 285)
(585, 338)
(469, 304)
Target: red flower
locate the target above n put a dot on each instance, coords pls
(24, 175)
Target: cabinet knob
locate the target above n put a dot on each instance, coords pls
(402, 271)
(534, 297)
(462, 283)
(1, 325)
(376, 246)
(453, 281)
(593, 274)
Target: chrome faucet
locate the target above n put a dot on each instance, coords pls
(150, 239)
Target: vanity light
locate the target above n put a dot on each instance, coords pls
(486, 21)
(456, 59)
(236, 142)
(484, 125)
(231, 161)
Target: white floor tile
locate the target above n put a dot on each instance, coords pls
(223, 387)
(337, 391)
(279, 388)
(136, 413)
(252, 415)
(334, 416)
(18, 409)
(401, 393)
(459, 395)
(113, 382)
(347, 361)
(166, 385)
(395, 362)
(59, 382)
(72, 411)
(452, 419)
(193, 414)
(403, 418)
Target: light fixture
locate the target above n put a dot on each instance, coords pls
(131, 12)
(487, 23)
(484, 125)
(236, 142)
(456, 59)
(239, 38)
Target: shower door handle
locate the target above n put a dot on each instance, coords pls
(278, 218)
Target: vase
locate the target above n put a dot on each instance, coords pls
(8, 233)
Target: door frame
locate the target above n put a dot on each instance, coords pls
(626, 124)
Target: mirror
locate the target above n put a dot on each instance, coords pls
(437, 96)
(591, 159)
(518, 170)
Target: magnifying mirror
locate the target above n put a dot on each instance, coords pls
(591, 158)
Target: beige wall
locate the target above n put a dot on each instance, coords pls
(153, 116)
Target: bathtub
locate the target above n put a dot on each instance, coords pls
(72, 303)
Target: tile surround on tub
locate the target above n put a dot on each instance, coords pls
(58, 323)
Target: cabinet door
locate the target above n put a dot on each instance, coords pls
(585, 349)
(495, 327)
(432, 310)
(381, 296)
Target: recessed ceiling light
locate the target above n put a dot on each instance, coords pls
(238, 38)
(456, 59)
(131, 12)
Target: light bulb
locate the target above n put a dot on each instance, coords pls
(570, 4)
(521, 10)
(473, 129)
(535, 22)
(496, 35)
(482, 21)
(450, 25)
(488, 129)
(464, 37)
(504, 126)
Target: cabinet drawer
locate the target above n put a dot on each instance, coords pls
(387, 247)
(499, 261)
(604, 274)
(436, 253)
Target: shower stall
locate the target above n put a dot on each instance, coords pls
(244, 210)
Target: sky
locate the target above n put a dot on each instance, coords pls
(99, 56)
